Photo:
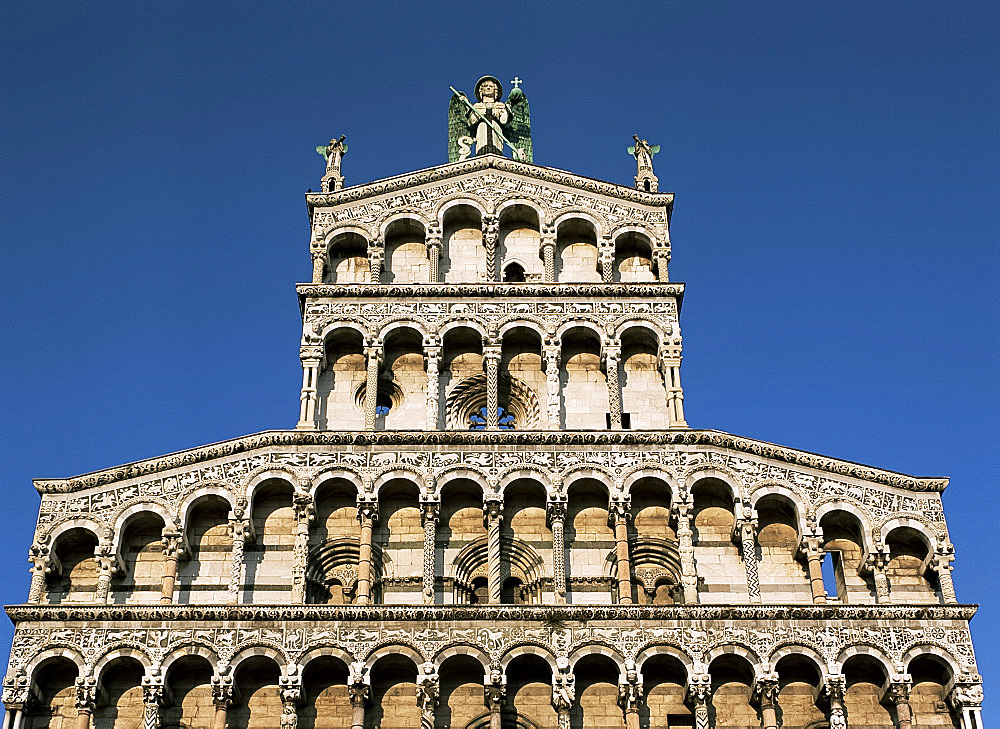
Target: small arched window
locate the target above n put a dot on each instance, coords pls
(513, 273)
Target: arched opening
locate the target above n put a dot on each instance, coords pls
(55, 684)
(462, 256)
(344, 372)
(589, 542)
(142, 553)
(461, 703)
(866, 680)
(210, 538)
(663, 684)
(402, 394)
(844, 546)
(406, 253)
(643, 393)
(576, 252)
(334, 544)
(398, 536)
(189, 694)
(713, 519)
(656, 569)
(584, 388)
(799, 682)
(633, 257)
(732, 679)
(348, 256)
(783, 578)
(258, 697)
(596, 705)
(520, 239)
(326, 702)
(521, 360)
(907, 569)
(394, 694)
(526, 543)
(529, 693)
(930, 678)
(462, 360)
(513, 273)
(121, 701)
(76, 579)
(268, 577)
(460, 526)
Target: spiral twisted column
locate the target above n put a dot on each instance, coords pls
(557, 516)
(493, 516)
(41, 565)
(373, 353)
(491, 360)
(240, 530)
(747, 529)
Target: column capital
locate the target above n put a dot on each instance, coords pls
(429, 511)
(496, 689)
(620, 508)
(491, 350)
(834, 686)
(172, 543)
(86, 693)
(966, 694)
(699, 688)
(555, 508)
(765, 689)
(492, 509)
(223, 690)
(428, 687)
(563, 687)
(303, 507)
(899, 687)
(358, 683)
(16, 690)
(367, 509)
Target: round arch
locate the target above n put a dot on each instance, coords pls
(597, 649)
(463, 649)
(107, 658)
(664, 649)
(324, 651)
(332, 474)
(189, 649)
(398, 215)
(797, 649)
(394, 649)
(588, 216)
(528, 649)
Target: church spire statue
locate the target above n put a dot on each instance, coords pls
(643, 152)
(489, 124)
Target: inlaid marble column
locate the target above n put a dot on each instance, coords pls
(432, 240)
(367, 516)
(173, 549)
(606, 257)
(429, 512)
(41, 564)
(685, 549)
(834, 689)
(662, 257)
(966, 699)
(612, 353)
(556, 512)
(629, 695)
(291, 695)
(432, 351)
(552, 386)
(491, 362)
(222, 698)
(319, 262)
(941, 564)
(620, 514)
(491, 239)
(493, 517)
(699, 690)
(152, 699)
(376, 255)
(875, 563)
(670, 367)
(548, 250)
(746, 530)
(494, 693)
(86, 700)
(359, 688)
(765, 692)
(899, 694)
(310, 358)
(239, 529)
(813, 551)
(373, 355)
(305, 512)
(428, 692)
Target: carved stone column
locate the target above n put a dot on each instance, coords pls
(491, 237)
(699, 689)
(765, 692)
(606, 257)
(86, 700)
(875, 563)
(493, 517)
(240, 530)
(941, 564)
(491, 361)
(428, 691)
(620, 514)
(494, 693)
(563, 692)
(612, 353)
(319, 258)
(966, 700)
(222, 698)
(291, 694)
(552, 387)
(106, 567)
(305, 512)
(834, 689)
(367, 515)
(311, 358)
(373, 353)
(429, 511)
(376, 254)
(670, 366)
(814, 564)
(556, 511)
(432, 240)
(359, 688)
(685, 548)
(41, 565)
(152, 698)
(548, 246)
(173, 548)
(629, 695)
(747, 530)
(432, 350)
(662, 256)
(899, 692)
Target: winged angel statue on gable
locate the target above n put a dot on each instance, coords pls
(490, 123)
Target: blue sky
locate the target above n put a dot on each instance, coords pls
(835, 166)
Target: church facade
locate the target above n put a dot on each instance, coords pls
(491, 512)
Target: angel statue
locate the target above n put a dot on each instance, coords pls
(490, 123)
(333, 153)
(643, 152)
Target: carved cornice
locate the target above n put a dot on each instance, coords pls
(477, 164)
(280, 438)
(530, 613)
(647, 290)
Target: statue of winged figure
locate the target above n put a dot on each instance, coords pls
(333, 153)
(643, 152)
(490, 123)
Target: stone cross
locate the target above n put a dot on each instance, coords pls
(516, 82)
